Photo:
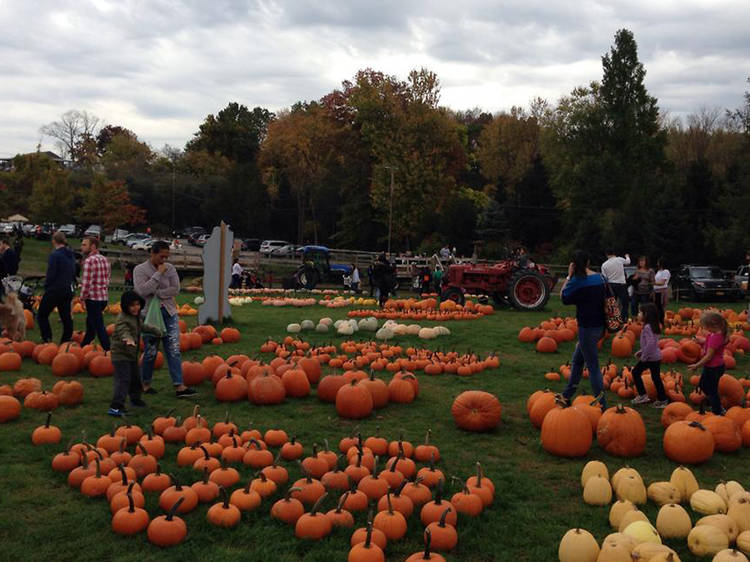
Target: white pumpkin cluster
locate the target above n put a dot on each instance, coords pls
(235, 301)
(725, 518)
(389, 329)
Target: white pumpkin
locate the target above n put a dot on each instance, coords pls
(707, 540)
(723, 522)
(327, 321)
(413, 329)
(307, 325)
(384, 334)
(683, 479)
(730, 555)
(631, 517)
(642, 531)
(321, 328)
(593, 468)
(578, 545)
(618, 510)
(673, 521)
(597, 491)
(199, 300)
(707, 502)
(662, 493)
(427, 334)
(345, 329)
(293, 328)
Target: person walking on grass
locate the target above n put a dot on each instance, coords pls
(94, 291)
(58, 289)
(613, 270)
(712, 358)
(661, 288)
(125, 340)
(157, 279)
(9, 257)
(649, 357)
(586, 290)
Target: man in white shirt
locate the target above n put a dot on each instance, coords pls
(613, 270)
(236, 275)
(355, 279)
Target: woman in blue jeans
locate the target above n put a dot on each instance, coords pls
(586, 290)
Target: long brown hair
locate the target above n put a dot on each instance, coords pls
(711, 319)
(651, 316)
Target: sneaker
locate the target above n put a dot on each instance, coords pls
(116, 412)
(137, 402)
(149, 390)
(660, 404)
(641, 399)
(187, 393)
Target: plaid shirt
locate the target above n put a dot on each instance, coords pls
(95, 278)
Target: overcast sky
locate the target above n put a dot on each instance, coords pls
(159, 67)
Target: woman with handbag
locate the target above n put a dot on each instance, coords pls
(586, 290)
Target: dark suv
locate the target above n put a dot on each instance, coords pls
(698, 282)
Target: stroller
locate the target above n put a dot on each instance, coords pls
(28, 289)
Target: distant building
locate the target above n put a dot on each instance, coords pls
(6, 163)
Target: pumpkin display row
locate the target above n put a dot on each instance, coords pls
(426, 309)
(124, 466)
(387, 331)
(690, 437)
(723, 518)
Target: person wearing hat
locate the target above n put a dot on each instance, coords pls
(58, 289)
(125, 340)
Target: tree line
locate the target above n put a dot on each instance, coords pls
(602, 167)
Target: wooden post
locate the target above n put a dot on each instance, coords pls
(222, 263)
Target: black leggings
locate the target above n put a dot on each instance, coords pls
(709, 384)
(126, 381)
(655, 368)
(95, 324)
(51, 299)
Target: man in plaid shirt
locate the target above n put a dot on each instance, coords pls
(94, 291)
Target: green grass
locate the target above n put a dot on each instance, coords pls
(538, 496)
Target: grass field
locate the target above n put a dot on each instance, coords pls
(538, 496)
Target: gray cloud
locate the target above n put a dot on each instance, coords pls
(160, 67)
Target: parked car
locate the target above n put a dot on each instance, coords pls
(251, 245)
(119, 235)
(134, 237)
(698, 282)
(7, 228)
(143, 244)
(200, 240)
(741, 278)
(267, 247)
(68, 230)
(93, 230)
(192, 230)
(286, 251)
(44, 231)
(28, 229)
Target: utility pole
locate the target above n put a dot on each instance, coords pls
(174, 164)
(390, 210)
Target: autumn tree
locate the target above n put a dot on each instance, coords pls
(51, 196)
(107, 203)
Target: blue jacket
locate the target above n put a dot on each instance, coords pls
(61, 270)
(588, 294)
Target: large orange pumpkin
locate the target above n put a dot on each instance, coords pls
(546, 344)
(353, 401)
(230, 335)
(621, 432)
(101, 366)
(65, 364)
(10, 408)
(10, 361)
(726, 434)
(566, 432)
(476, 410)
(688, 442)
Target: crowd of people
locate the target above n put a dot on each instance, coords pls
(153, 280)
(642, 294)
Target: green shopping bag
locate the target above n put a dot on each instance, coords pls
(154, 322)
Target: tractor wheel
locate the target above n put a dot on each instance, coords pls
(527, 290)
(454, 294)
(308, 278)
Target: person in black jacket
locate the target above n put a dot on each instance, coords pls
(58, 289)
(9, 257)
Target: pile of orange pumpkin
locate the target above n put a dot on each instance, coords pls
(426, 309)
(569, 431)
(124, 466)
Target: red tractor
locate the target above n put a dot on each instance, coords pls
(525, 288)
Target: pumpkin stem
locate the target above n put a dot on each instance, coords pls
(479, 475)
(129, 493)
(427, 542)
(315, 450)
(49, 417)
(317, 504)
(174, 508)
(175, 483)
(439, 492)
(290, 491)
(205, 475)
(427, 437)
(205, 452)
(124, 475)
(342, 499)
(388, 499)
(224, 494)
(441, 523)
(368, 538)
(98, 467)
